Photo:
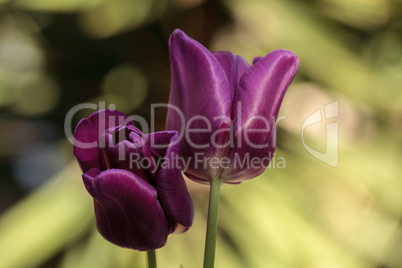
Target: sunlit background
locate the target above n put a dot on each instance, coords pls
(57, 54)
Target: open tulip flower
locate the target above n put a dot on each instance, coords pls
(139, 196)
(226, 109)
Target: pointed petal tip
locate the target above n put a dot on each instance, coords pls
(280, 53)
(177, 31)
(176, 36)
(290, 55)
(286, 59)
(256, 59)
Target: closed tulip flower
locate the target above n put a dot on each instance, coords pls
(226, 109)
(139, 195)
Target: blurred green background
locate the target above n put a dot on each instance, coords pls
(57, 54)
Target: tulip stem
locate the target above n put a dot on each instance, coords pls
(151, 256)
(212, 224)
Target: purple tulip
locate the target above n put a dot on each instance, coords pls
(225, 109)
(140, 196)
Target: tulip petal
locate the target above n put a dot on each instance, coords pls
(263, 86)
(259, 97)
(200, 89)
(234, 67)
(172, 188)
(256, 59)
(255, 110)
(86, 137)
(127, 209)
(199, 84)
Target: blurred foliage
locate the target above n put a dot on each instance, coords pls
(57, 54)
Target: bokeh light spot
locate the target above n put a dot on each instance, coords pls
(38, 94)
(128, 83)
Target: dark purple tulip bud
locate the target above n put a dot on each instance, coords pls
(225, 109)
(140, 196)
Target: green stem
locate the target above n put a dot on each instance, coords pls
(212, 224)
(151, 257)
